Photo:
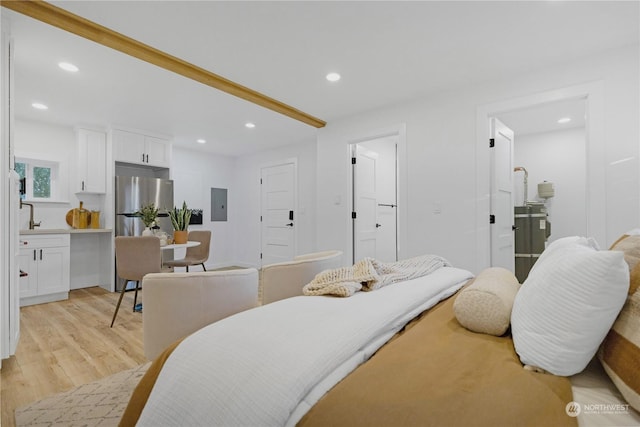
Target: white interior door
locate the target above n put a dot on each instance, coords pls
(375, 200)
(365, 203)
(278, 213)
(502, 245)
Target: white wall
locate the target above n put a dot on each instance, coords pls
(558, 157)
(246, 199)
(441, 202)
(194, 174)
(441, 158)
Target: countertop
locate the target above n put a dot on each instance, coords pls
(65, 231)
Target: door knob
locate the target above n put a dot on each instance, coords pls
(290, 224)
(378, 225)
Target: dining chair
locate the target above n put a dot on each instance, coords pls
(196, 254)
(135, 257)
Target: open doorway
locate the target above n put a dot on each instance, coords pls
(594, 207)
(549, 176)
(375, 198)
(551, 145)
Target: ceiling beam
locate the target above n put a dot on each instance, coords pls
(65, 20)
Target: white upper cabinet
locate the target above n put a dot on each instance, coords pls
(140, 149)
(92, 161)
(128, 147)
(156, 151)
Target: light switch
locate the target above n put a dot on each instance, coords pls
(437, 208)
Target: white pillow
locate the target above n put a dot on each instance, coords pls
(566, 306)
(574, 240)
(564, 242)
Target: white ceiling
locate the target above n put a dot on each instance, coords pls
(387, 53)
(544, 118)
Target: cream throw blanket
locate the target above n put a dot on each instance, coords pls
(370, 274)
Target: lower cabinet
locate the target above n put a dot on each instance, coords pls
(45, 259)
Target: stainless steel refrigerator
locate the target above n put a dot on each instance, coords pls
(133, 192)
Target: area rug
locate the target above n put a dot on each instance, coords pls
(100, 403)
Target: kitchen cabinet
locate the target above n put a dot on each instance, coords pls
(92, 161)
(140, 149)
(46, 260)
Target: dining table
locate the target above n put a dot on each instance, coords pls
(188, 244)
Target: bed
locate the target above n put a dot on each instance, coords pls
(396, 355)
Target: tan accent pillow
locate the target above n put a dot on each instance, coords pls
(620, 351)
(485, 305)
(630, 245)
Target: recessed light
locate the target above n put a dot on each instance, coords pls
(201, 141)
(39, 106)
(250, 125)
(333, 77)
(68, 67)
(564, 120)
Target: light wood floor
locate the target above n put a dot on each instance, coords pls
(68, 343)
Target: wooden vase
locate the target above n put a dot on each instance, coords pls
(180, 236)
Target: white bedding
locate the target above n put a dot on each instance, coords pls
(269, 365)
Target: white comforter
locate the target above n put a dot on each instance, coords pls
(269, 365)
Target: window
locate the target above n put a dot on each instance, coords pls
(40, 178)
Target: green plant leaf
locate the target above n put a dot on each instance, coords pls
(180, 217)
(148, 214)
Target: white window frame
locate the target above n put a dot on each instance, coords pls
(58, 179)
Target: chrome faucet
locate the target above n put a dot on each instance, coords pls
(32, 223)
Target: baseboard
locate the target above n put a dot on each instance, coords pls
(218, 265)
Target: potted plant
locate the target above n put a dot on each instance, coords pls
(180, 221)
(148, 214)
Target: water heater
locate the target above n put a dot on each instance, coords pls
(531, 233)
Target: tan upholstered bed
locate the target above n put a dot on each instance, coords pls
(430, 372)
(438, 373)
